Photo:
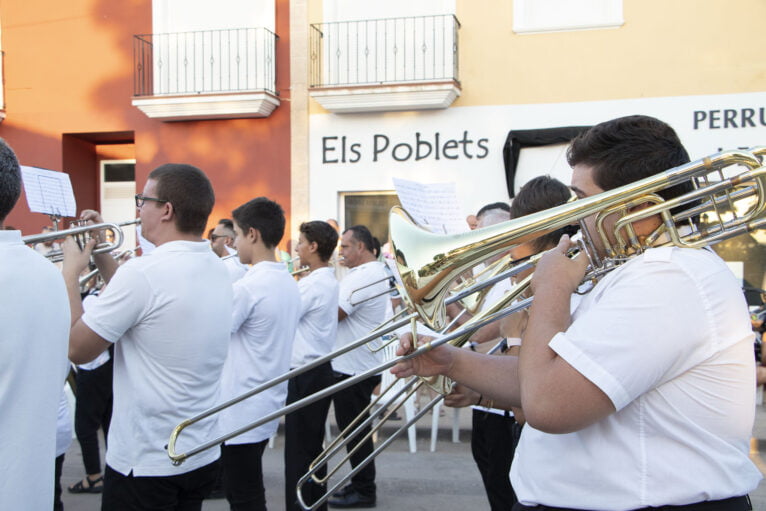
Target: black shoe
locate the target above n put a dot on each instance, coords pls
(352, 499)
(349, 488)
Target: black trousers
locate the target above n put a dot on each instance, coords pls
(349, 403)
(243, 476)
(93, 410)
(183, 492)
(493, 447)
(304, 434)
(57, 504)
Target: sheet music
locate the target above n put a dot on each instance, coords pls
(48, 191)
(434, 206)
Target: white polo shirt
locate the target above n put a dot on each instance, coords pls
(363, 314)
(171, 313)
(493, 295)
(266, 308)
(35, 317)
(235, 268)
(318, 325)
(667, 338)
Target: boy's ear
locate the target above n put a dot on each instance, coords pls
(253, 235)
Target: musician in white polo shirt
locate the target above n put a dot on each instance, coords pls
(265, 314)
(359, 312)
(222, 242)
(314, 338)
(168, 314)
(648, 387)
(34, 314)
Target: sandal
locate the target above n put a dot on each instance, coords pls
(91, 487)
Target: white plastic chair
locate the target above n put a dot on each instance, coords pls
(435, 424)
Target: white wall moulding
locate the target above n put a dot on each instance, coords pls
(209, 106)
(387, 98)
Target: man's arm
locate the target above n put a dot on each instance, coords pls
(495, 378)
(555, 397)
(84, 344)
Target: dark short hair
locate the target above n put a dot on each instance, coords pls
(495, 205)
(538, 194)
(323, 234)
(189, 190)
(10, 179)
(362, 234)
(226, 223)
(627, 149)
(263, 215)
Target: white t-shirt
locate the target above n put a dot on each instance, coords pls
(35, 317)
(266, 308)
(171, 313)
(63, 425)
(318, 325)
(667, 338)
(363, 314)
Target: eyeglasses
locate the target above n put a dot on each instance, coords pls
(140, 199)
(214, 237)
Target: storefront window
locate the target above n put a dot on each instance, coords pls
(369, 209)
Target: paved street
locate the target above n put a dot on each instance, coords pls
(444, 480)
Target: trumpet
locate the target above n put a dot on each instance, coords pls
(80, 232)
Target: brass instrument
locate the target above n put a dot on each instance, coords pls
(300, 270)
(398, 321)
(85, 278)
(428, 263)
(427, 277)
(81, 234)
(502, 307)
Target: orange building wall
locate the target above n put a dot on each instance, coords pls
(68, 89)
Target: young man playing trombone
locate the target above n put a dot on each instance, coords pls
(265, 314)
(643, 397)
(168, 315)
(314, 338)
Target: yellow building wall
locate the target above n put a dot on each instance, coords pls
(664, 48)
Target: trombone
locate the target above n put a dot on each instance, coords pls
(442, 385)
(80, 233)
(393, 324)
(428, 263)
(427, 278)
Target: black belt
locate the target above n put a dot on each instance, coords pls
(731, 504)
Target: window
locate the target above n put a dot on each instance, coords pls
(557, 15)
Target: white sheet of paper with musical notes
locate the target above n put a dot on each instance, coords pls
(433, 206)
(48, 192)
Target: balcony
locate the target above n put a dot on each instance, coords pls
(385, 65)
(209, 74)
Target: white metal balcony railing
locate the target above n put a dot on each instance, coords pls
(205, 62)
(384, 51)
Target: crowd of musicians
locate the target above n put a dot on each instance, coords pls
(636, 392)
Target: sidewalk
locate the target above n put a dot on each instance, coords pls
(445, 480)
